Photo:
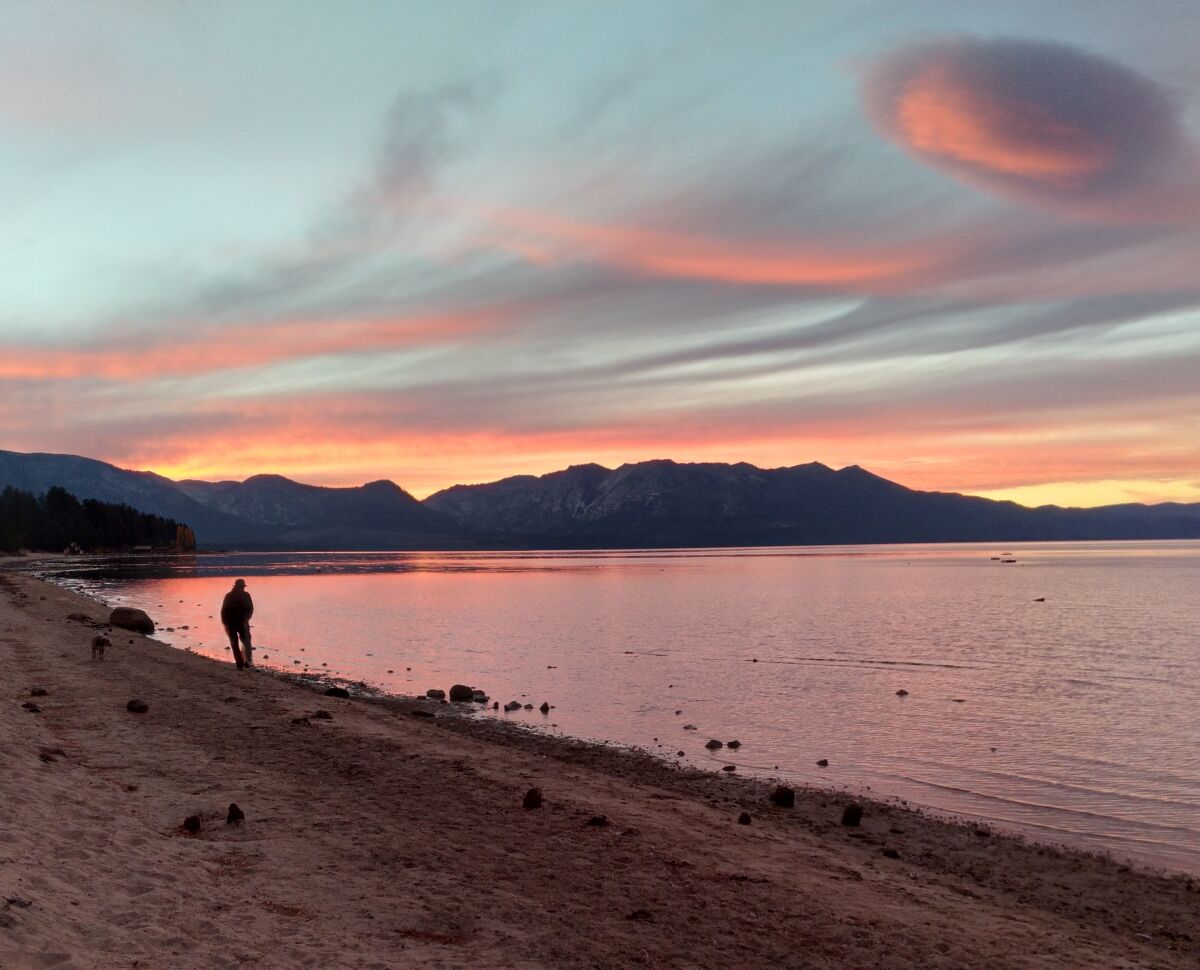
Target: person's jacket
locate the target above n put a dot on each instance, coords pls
(237, 608)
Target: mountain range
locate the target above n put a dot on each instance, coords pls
(658, 503)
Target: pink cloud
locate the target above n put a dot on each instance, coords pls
(235, 347)
(1039, 122)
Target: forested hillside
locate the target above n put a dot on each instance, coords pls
(58, 519)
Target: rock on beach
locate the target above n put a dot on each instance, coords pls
(127, 618)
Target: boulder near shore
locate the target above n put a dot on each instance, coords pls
(127, 618)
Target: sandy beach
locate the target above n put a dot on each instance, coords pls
(377, 837)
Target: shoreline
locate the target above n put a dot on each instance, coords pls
(1050, 805)
(377, 836)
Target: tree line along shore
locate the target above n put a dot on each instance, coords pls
(57, 521)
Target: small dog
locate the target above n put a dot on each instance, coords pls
(98, 645)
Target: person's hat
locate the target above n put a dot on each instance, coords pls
(240, 582)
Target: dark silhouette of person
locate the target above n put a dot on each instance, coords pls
(236, 610)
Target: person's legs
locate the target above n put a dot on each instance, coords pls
(233, 642)
(246, 645)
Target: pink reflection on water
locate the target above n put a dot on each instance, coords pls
(1072, 717)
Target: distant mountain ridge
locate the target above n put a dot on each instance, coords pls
(665, 503)
(315, 517)
(645, 504)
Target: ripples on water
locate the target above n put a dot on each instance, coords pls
(1074, 718)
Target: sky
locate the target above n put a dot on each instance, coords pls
(954, 242)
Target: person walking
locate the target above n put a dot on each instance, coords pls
(236, 610)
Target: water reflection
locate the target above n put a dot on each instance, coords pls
(1056, 694)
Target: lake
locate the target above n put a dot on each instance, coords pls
(1057, 695)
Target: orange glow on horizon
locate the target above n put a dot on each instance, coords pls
(1054, 471)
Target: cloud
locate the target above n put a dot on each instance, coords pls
(237, 347)
(548, 238)
(1041, 122)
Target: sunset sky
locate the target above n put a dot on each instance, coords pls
(954, 242)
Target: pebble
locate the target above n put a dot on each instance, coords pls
(532, 799)
(852, 815)
(744, 818)
(823, 763)
(235, 816)
(714, 744)
(136, 706)
(191, 824)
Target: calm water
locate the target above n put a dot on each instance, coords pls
(1076, 719)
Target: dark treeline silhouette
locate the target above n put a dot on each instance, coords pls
(58, 520)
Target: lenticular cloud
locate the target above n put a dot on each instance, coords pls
(1041, 121)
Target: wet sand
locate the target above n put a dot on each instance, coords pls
(376, 838)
